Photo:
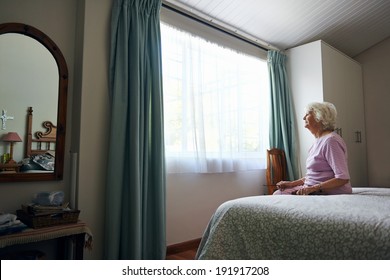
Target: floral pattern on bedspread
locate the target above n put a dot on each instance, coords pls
(355, 226)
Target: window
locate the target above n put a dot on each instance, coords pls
(215, 105)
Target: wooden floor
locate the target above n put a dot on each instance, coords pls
(183, 251)
(185, 255)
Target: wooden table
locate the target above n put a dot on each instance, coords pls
(78, 233)
(10, 167)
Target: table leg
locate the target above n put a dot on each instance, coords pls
(61, 248)
(79, 246)
(77, 242)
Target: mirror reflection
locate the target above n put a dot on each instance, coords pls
(33, 99)
(28, 78)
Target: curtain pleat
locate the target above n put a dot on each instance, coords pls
(135, 187)
(282, 121)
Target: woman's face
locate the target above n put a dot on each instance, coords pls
(311, 123)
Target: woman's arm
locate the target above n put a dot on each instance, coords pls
(329, 184)
(290, 184)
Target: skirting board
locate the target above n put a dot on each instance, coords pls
(184, 246)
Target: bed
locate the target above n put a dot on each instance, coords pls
(40, 147)
(354, 226)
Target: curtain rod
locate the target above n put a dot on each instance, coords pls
(202, 21)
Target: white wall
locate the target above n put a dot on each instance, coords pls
(376, 85)
(193, 198)
(94, 119)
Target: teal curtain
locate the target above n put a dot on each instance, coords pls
(135, 188)
(282, 121)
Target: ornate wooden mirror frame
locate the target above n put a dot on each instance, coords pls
(38, 35)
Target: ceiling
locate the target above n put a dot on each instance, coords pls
(351, 26)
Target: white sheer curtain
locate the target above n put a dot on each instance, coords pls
(215, 106)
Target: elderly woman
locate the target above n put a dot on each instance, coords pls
(327, 167)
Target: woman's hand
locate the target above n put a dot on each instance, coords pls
(306, 190)
(282, 185)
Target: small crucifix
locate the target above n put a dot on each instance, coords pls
(4, 118)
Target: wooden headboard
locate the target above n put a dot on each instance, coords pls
(44, 141)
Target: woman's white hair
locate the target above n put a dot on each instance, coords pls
(325, 113)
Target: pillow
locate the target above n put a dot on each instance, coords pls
(46, 161)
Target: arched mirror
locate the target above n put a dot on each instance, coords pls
(33, 96)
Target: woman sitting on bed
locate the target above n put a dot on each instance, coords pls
(326, 164)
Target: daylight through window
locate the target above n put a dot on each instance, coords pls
(215, 106)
